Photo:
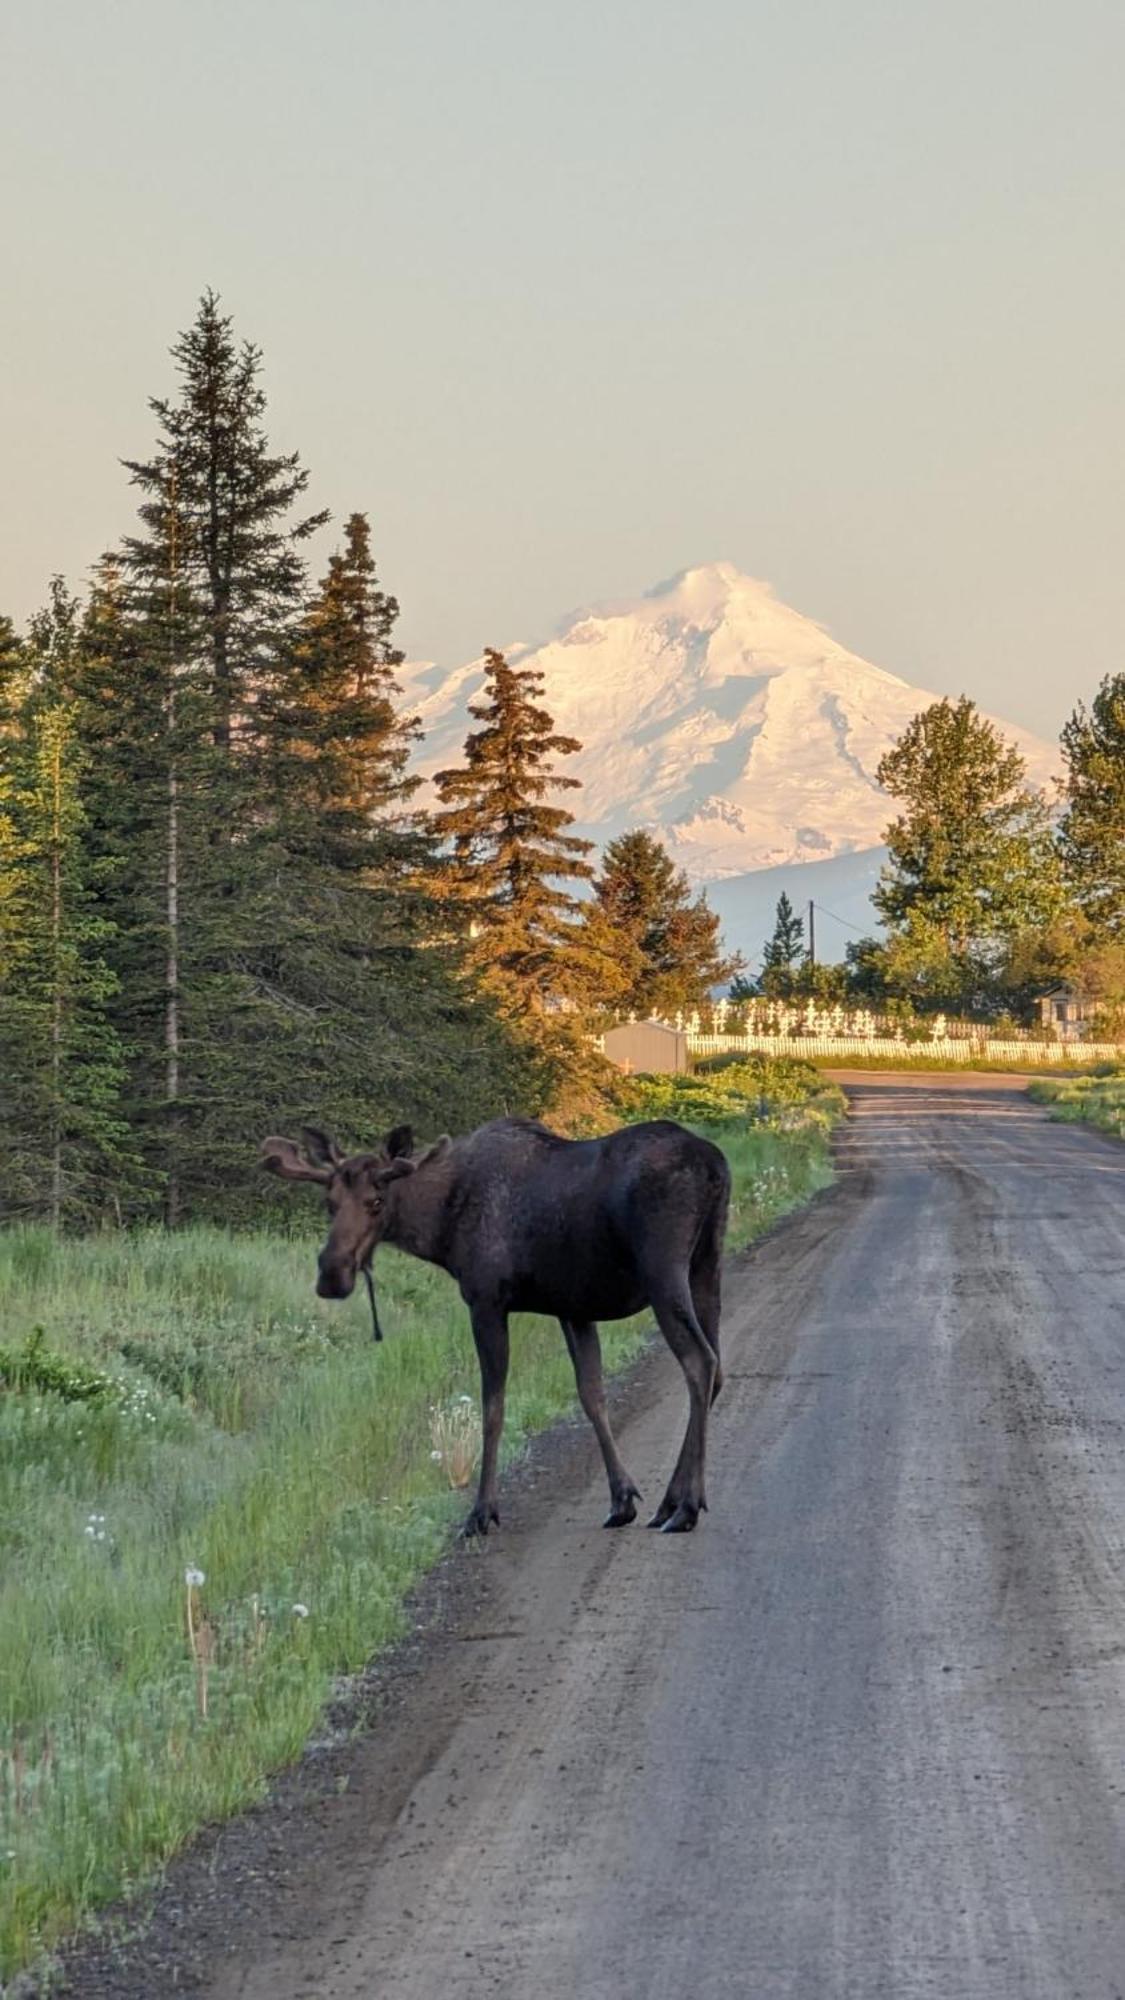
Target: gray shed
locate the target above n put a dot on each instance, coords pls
(647, 1048)
(1066, 1012)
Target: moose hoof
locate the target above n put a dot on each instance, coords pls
(623, 1510)
(677, 1517)
(479, 1521)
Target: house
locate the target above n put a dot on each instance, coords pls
(1066, 1012)
(647, 1048)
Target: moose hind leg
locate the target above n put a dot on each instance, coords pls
(706, 1295)
(685, 1498)
(586, 1354)
(490, 1332)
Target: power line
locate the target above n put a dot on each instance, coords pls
(838, 920)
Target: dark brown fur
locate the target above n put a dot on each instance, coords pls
(525, 1221)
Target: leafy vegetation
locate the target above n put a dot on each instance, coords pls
(189, 1559)
(973, 871)
(1098, 1099)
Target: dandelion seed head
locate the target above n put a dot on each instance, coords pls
(193, 1578)
(300, 1611)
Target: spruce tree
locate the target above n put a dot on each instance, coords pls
(13, 670)
(511, 849)
(671, 935)
(140, 717)
(784, 950)
(212, 590)
(1093, 824)
(276, 966)
(340, 741)
(218, 528)
(66, 1152)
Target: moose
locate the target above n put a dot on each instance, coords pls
(527, 1221)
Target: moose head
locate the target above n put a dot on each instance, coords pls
(357, 1190)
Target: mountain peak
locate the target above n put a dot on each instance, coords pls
(713, 579)
(713, 713)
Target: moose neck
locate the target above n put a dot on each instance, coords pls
(418, 1213)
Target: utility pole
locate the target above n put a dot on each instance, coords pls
(812, 932)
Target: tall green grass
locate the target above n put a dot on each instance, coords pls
(1097, 1100)
(255, 1435)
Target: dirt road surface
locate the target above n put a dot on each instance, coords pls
(863, 1734)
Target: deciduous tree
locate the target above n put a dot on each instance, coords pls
(973, 863)
(1093, 824)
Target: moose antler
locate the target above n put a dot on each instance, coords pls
(319, 1148)
(284, 1157)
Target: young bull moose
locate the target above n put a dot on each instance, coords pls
(585, 1230)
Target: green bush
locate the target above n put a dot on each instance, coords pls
(34, 1367)
(782, 1091)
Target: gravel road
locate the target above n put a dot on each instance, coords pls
(861, 1735)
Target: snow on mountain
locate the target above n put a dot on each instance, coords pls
(738, 730)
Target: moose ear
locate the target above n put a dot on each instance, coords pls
(399, 1142)
(282, 1157)
(322, 1151)
(437, 1151)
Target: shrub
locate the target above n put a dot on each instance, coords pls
(761, 1089)
(33, 1366)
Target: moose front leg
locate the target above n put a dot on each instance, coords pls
(490, 1332)
(586, 1354)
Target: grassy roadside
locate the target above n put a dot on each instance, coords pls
(909, 1060)
(230, 1426)
(1085, 1100)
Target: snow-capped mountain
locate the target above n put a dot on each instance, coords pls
(710, 712)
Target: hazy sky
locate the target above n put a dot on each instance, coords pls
(570, 296)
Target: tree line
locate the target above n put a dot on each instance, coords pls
(992, 892)
(222, 908)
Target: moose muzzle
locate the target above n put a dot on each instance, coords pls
(335, 1276)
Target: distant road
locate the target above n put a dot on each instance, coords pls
(862, 1735)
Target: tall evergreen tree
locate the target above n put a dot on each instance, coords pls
(672, 935)
(972, 860)
(66, 1149)
(340, 739)
(217, 514)
(140, 716)
(511, 850)
(13, 669)
(784, 951)
(274, 963)
(211, 592)
(1093, 824)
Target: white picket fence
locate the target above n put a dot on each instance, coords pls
(845, 1048)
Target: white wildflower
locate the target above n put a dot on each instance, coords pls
(193, 1578)
(300, 1611)
(437, 1457)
